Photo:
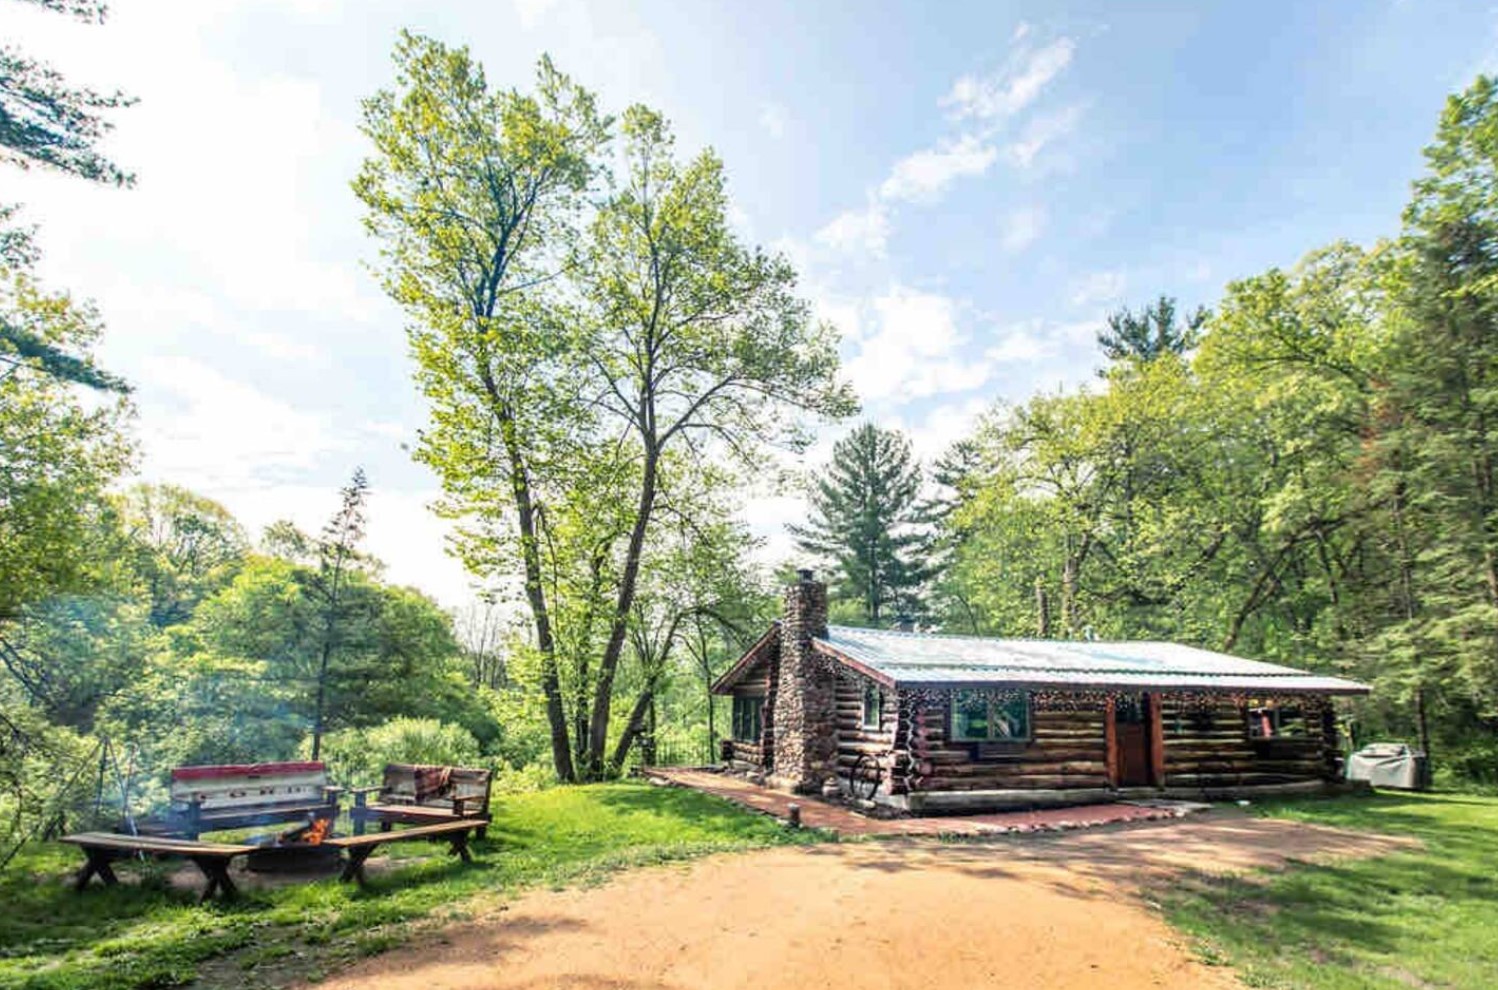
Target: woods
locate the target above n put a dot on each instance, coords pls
(1303, 474)
(1304, 471)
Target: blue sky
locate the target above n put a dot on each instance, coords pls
(967, 189)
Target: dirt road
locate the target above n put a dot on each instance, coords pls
(1053, 913)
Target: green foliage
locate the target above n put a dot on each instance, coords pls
(57, 452)
(1151, 333)
(187, 547)
(45, 121)
(867, 522)
(132, 937)
(596, 348)
(260, 643)
(1416, 918)
(1307, 474)
(355, 757)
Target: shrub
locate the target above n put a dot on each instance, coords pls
(355, 757)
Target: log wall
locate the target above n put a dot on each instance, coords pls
(758, 682)
(1207, 745)
(853, 740)
(1068, 750)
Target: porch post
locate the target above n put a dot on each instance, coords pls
(1110, 736)
(1157, 741)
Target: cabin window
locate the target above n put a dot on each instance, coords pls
(873, 706)
(979, 717)
(1269, 721)
(748, 715)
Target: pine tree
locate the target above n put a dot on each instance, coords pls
(1150, 333)
(337, 552)
(867, 522)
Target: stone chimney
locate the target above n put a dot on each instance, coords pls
(805, 702)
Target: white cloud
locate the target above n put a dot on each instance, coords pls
(531, 12)
(1099, 287)
(248, 449)
(199, 424)
(915, 350)
(1040, 133)
(1021, 228)
(925, 175)
(944, 425)
(864, 231)
(1014, 87)
(772, 119)
(1018, 346)
(841, 313)
(1036, 341)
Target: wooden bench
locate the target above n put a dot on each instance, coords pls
(103, 848)
(211, 798)
(358, 847)
(424, 795)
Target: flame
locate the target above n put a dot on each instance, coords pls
(317, 831)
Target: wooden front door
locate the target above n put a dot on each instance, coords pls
(1131, 717)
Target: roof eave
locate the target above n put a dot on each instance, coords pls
(1352, 689)
(730, 677)
(872, 673)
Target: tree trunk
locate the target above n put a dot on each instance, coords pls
(556, 716)
(1042, 611)
(322, 694)
(603, 692)
(632, 729)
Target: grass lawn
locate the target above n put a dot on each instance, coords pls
(137, 936)
(1427, 918)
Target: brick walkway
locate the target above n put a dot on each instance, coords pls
(846, 822)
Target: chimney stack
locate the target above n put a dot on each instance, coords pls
(805, 713)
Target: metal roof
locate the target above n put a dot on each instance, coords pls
(925, 658)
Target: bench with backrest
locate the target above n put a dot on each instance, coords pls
(212, 798)
(424, 795)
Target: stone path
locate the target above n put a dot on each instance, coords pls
(846, 822)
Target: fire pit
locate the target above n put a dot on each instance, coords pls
(297, 850)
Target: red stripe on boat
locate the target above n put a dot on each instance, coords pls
(245, 770)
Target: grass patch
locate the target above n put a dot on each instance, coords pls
(147, 935)
(1422, 918)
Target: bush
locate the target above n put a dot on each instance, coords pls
(1475, 762)
(356, 757)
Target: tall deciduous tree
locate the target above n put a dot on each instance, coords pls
(866, 520)
(694, 341)
(471, 193)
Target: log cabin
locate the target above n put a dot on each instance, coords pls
(937, 723)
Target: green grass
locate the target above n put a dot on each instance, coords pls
(145, 935)
(1426, 918)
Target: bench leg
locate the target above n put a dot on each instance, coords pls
(97, 865)
(460, 847)
(386, 825)
(354, 868)
(216, 871)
